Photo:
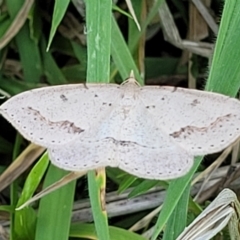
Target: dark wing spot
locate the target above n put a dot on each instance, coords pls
(195, 102)
(63, 97)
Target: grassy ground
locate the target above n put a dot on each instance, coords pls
(61, 42)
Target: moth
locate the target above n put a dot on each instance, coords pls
(152, 132)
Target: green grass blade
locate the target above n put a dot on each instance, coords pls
(96, 188)
(220, 80)
(13, 86)
(55, 210)
(121, 54)
(153, 11)
(80, 53)
(33, 179)
(87, 231)
(51, 69)
(98, 20)
(25, 219)
(178, 219)
(60, 8)
(5, 22)
(138, 55)
(98, 17)
(27, 47)
(224, 75)
(175, 190)
(143, 187)
(14, 187)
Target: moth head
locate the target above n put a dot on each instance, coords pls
(131, 80)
